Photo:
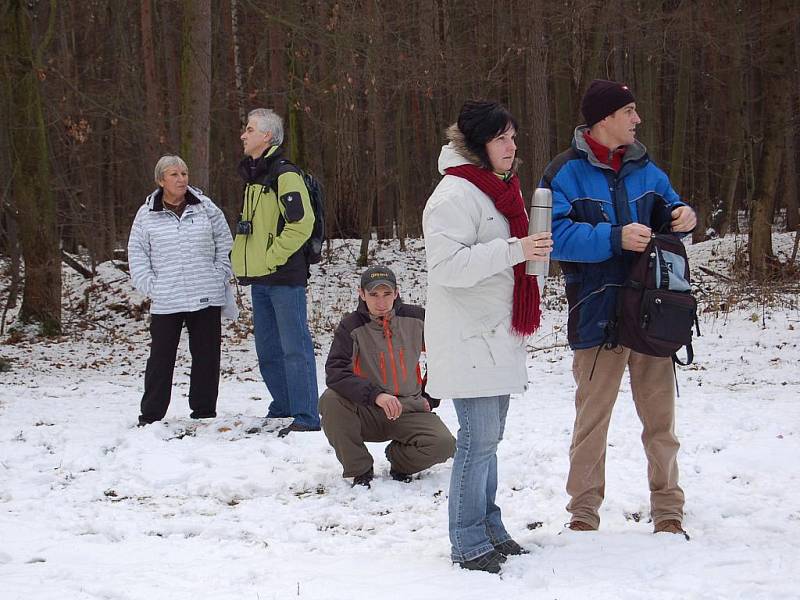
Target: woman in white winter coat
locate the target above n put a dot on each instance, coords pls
(481, 306)
(178, 257)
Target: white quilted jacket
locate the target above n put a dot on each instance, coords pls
(181, 264)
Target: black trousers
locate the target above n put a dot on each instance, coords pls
(205, 332)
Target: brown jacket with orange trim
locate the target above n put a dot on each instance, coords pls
(372, 355)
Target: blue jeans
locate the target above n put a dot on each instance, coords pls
(285, 352)
(475, 523)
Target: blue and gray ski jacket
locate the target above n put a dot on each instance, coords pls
(591, 204)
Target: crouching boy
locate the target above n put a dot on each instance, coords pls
(375, 387)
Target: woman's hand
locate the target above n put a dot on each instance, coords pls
(537, 246)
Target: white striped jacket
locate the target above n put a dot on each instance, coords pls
(181, 264)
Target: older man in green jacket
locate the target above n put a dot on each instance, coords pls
(269, 253)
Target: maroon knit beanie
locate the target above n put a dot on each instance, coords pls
(604, 98)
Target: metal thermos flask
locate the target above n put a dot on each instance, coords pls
(541, 219)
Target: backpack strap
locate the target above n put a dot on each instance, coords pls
(278, 168)
(689, 357)
(689, 349)
(675, 375)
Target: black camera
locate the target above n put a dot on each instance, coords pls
(244, 228)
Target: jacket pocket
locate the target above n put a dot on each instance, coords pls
(668, 316)
(488, 344)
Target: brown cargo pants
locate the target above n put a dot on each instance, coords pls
(653, 390)
(419, 440)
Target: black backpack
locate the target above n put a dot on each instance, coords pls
(313, 247)
(656, 310)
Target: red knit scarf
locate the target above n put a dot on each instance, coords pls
(507, 199)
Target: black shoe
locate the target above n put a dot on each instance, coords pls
(364, 479)
(296, 427)
(211, 415)
(489, 562)
(510, 548)
(398, 476)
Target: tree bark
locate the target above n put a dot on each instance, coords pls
(537, 109)
(734, 118)
(792, 189)
(376, 109)
(774, 103)
(154, 126)
(196, 89)
(31, 179)
(681, 115)
(237, 62)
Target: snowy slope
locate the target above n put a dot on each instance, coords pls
(92, 507)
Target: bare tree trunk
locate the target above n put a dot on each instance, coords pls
(277, 67)
(401, 164)
(154, 126)
(776, 37)
(790, 172)
(32, 185)
(701, 136)
(237, 62)
(12, 247)
(616, 34)
(376, 109)
(647, 73)
(792, 189)
(681, 112)
(537, 107)
(196, 89)
(171, 60)
(731, 102)
(563, 102)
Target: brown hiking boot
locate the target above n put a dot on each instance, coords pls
(670, 526)
(581, 526)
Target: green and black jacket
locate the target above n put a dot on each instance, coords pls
(282, 222)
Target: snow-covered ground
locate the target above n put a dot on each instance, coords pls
(93, 507)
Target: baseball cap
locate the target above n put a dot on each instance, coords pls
(377, 275)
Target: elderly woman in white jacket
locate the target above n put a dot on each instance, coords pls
(178, 257)
(480, 308)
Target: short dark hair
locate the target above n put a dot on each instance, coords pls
(480, 121)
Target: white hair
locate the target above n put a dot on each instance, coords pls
(268, 122)
(164, 163)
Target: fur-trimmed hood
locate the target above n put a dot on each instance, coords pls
(459, 144)
(457, 153)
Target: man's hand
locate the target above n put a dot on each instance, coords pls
(537, 246)
(427, 405)
(390, 405)
(683, 219)
(635, 236)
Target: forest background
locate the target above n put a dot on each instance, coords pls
(94, 91)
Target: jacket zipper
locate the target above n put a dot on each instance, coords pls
(387, 332)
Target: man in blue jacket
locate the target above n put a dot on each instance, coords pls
(608, 197)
